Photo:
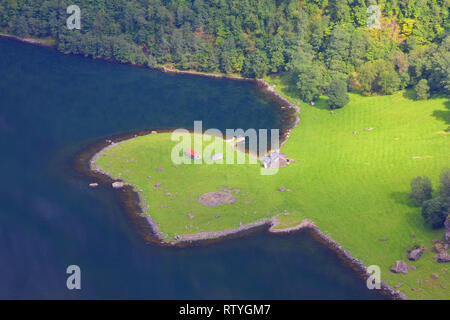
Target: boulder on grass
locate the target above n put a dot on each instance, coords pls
(400, 267)
(443, 257)
(416, 253)
(440, 247)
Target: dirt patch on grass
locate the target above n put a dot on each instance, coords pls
(214, 199)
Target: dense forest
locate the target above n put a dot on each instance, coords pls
(324, 46)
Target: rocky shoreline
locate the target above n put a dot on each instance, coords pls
(306, 224)
(354, 262)
(359, 267)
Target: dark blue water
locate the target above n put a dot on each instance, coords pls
(51, 106)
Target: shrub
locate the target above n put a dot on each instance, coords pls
(435, 211)
(421, 190)
(337, 92)
(422, 90)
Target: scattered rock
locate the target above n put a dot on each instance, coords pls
(398, 285)
(443, 287)
(440, 247)
(400, 267)
(416, 253)
(157, 185)
(117, 185)
(443, 257)
(437, 248)
(190, 216)
(282, 189)
(383, 239)
(413, 235)
(411, 267)
(236, 191)
(217, 215)
(354, 132)
(160, 169)
(434, 276)
(153, 132)
(93, 185)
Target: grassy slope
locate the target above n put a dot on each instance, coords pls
(355, 186)
(352, 186)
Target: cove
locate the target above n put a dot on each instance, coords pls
(51, 107)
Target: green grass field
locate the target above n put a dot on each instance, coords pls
(353, 186)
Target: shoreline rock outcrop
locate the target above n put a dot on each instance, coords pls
(117, 185)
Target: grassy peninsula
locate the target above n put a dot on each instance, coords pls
(353, 183)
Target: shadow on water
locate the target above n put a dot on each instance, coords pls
(52, 106)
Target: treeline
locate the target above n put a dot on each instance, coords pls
(320, 44)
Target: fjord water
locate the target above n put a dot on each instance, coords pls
(53, 105)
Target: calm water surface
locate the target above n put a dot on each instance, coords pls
(51, 106)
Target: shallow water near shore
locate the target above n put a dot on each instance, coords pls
(51, 107)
